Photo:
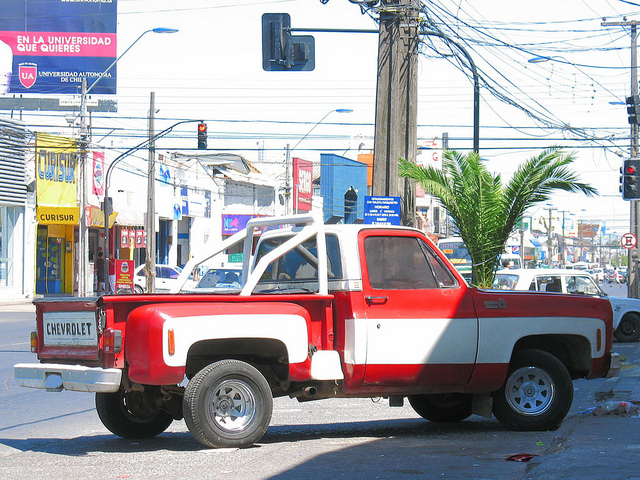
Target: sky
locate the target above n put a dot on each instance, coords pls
(212, 70)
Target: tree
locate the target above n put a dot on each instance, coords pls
(483, 210)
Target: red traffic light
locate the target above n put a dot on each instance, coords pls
(202, 136)
(630, 170)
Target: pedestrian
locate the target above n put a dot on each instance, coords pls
(112, 274)
(100, 272)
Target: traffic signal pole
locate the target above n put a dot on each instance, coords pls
(633, 281)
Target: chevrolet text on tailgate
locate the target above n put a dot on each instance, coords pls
(323, 311)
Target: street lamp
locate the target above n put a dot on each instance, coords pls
(83, 228)
(287, 188)
(107, 203)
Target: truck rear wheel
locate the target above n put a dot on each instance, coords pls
(131, 414)
(444, 407)
(228, 404)
(537, 394)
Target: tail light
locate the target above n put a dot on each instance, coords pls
(111, 340)
(34, 342)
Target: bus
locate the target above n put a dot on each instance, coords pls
(456, 251)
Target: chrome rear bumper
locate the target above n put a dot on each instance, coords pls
(56, 377)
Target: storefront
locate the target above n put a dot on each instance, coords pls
(57, 213)
(16, 215)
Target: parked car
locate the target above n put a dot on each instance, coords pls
(166, 276)
(598, 274)
(220, 280)
(626, 311)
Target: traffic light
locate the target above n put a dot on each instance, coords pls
(282, 51)
(202, 136)
(629, 179)
(633, 109)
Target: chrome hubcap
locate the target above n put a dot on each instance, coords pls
(530, 391)
(233, 405)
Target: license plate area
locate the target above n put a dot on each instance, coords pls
(70, 329)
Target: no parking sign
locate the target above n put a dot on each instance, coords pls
(629, 241)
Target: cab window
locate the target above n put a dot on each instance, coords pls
(395, 263)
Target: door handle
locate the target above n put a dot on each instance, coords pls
(376, 300)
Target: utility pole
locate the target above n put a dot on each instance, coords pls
(150, 264)
(83, 228)
(396, 102)
(633, 283)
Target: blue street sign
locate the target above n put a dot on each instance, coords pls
(382, 210)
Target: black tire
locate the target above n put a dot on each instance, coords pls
(537, 394)
(131, 414)
(442, 408)
(629, 328)
(138, 289)
(228, 404)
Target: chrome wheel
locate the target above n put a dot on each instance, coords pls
(228, 404)
(530, 391)
(233, 405)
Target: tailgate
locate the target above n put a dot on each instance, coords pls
(68, 330)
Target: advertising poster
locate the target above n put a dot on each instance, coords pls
(124, 238)
(48, 46)
(56, 185)
(98, 173)
(124, 275)
(302, 185)
(139, 238)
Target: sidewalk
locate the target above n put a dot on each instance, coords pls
(24, 305)
(604, 443)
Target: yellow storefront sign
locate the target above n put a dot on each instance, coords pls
(56, 184)
(57, 215)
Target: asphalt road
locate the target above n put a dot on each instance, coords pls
(58, 435)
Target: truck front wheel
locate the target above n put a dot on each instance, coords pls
(228, 404)
(132, 414)
(444, 407)
(629, 328)
(537, 394)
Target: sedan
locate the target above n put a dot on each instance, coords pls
(166, 277)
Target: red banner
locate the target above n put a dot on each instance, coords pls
(302, 185)
(124, 238)
(139, 238)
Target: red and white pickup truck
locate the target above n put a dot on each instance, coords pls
(324, 311)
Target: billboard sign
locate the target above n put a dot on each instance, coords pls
(48, 46)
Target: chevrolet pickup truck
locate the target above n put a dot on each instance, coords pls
(323, 311)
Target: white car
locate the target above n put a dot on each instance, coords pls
(166, 278)
(220, 280)
(626, 311)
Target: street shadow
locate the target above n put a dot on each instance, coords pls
(183, 441)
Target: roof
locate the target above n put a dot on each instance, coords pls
(531, 272)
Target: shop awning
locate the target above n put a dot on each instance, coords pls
(130, 218)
